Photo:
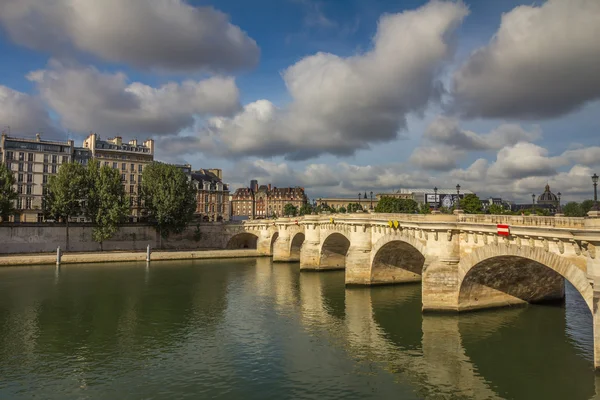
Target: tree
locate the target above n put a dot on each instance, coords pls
(341, 210)
(65, 194)
(471, 204)
(306, 209)
(586, 206)
(290, 209)
(8, 193)
(573, 209)
(424, 209)
(106, 204)
(395, 205)
(354, 207)
(495, 209)
(169, 198)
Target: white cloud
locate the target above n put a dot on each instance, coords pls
(87, 99)
(524, 160)
(589, 156)
(542, 62)
(439, 158)
(157, 34)
(24, 114)
(476, 172)
(340, 105)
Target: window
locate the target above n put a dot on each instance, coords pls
(29, 189)
(140, 168)
(45, 190)
(28, 203)
(20, 189)
(29, 178)
(206, 208)
(54, 159)
(21, 167)
(40, 218)
(131, 178)
(123, 177)
(206, 198)
(132, 167)
(9, 155)
(65, 159)
(131, 189)
(20, 178)
(29, 167)
(123, 167)
(45, 168)
(106, 163)
(9, 166)
(20, 203)
(45, 158)
(54, 169)
(115, 166)
(21, 156)
(130, 201)
(30, 157)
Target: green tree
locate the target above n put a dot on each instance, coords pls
(354, 207)
(471, 204)
(169, 198)
(586, 206)
(342, 210)
(573, 209)
(394, 205)
(306, 209)
(424, 209)
(290, 209)
(8, 194)
(106, 204)
(66, 190)
(495, 209)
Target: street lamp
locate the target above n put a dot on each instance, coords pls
(595, 207)
(458, 197)
(359, 198)
(435, 204)
(371, 200)
(558, 211)
(533, 201)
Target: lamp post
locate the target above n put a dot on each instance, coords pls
(558, 211)
(371, 200)
(595, 207)
(435, 201)
(457, 197)
(532, 202)
(358, 199)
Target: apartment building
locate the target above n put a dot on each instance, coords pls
(129, 158)
(265, 201)
(33, 161)
(212, 195)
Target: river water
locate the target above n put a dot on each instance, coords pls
(250, 329)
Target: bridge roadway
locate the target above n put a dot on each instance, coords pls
(461, 261)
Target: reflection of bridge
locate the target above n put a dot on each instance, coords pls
(462, 262)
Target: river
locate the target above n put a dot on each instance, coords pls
(250, 329)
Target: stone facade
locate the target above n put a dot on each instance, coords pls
(265, 201)
(212, 197)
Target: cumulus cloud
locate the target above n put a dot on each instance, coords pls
(542, 62)
(24, 114)
(87, 99)
(476, 172)
(524, 160)
(158, 34)
(447, 131)
(589, 156)
(340, 105)
(439, 158)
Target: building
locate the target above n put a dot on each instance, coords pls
(130, 158)
(33, 161)
(338, 202)
(548, 198)
(265, 201)
(212, 196)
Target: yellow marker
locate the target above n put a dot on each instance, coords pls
(396, 224)
(331, 220)
(390, 223)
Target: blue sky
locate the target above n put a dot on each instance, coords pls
(335, 96)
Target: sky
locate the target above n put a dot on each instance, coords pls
(336, 96)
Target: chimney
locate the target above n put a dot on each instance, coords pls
(38, 137)
(133, 142)
(269, 187)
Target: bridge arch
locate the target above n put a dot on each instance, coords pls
(397, 259)
(501, 275)
(333, 251)
(244, 240)
(274, 237)
(296, 245)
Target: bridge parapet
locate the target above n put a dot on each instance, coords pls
(522, 220)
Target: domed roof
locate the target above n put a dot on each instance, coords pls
(547, 196)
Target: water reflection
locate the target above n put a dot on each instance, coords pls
(253, 329)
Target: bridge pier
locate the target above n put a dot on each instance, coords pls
(310, 253)
(281, 247)
(358, 265)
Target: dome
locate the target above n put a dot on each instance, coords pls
(547, 197)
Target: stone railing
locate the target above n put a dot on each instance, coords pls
(520, 220)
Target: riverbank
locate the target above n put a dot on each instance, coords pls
(109, 256)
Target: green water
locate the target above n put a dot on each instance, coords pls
(250, 329)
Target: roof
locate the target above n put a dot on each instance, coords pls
(429, 191)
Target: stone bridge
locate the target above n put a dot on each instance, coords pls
(460, 260)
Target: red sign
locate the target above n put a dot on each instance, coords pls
(503, 230)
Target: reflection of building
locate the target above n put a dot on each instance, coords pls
(265, 201)
(129, 158)
(33, 161)
(212, 196)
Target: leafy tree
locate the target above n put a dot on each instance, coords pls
(354, 207)
(306, 209)
(66, 192)
(395, 205)
(424, 209)
(8, 193)
(471, 204)
(342, 210)
(573, 209)
(290, 209)
(446, 210)
(169, 198)
(586, 206)
(106, 204)
(495, 209)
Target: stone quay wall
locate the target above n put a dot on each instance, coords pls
(43, 238)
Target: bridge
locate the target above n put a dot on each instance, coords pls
(461, 260)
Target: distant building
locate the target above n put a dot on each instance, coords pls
(547, 201)
(338, 202)
(212, 196)
(33, 161)
(265, 201)
(129, 158)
